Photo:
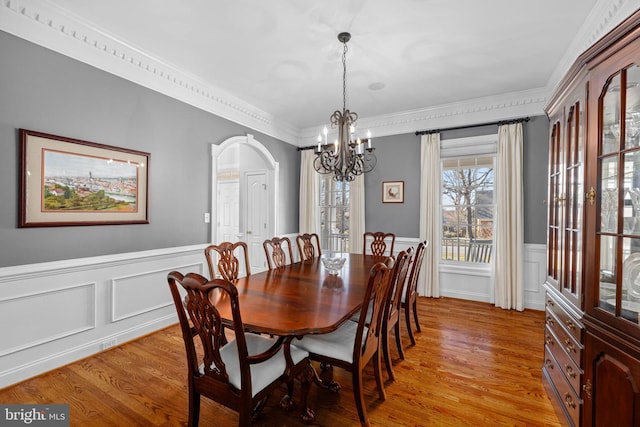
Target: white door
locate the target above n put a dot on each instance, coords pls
(257, 218)
(229, 211)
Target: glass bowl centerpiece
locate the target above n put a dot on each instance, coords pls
(333, 262)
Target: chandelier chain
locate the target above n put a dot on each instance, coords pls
(344, 76)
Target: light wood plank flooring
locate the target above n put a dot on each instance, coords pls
(473, 365)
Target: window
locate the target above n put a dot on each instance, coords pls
(468, 208)
(334, 214)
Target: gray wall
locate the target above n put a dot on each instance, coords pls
(44, 91)
(399, 160)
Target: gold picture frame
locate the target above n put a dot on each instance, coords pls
(70, 182)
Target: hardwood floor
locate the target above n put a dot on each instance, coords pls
(473, 365)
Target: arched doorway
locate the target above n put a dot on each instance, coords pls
(244, 195)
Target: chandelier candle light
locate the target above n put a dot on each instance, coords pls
(348, 156)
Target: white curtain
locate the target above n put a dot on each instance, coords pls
(429, 283)
(509, 238)
(308, 222)
(356, 214)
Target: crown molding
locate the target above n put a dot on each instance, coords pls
(604, 17)
(47, 25)
(41, 22)
(473, 111)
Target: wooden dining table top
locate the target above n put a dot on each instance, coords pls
(302, 298)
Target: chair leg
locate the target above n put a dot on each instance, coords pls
(407, 318)
(415, 314)
(387, 353)
(377, 369)
(194, 408)
(359, 397)
(396, 331)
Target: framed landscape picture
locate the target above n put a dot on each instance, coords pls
(67, 182)
(393, 192)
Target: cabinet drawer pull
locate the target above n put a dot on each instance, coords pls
(550, 303)
(569, 401)
(570, 325)
(548, 363)
(550, 321)
(570, 371)
(548, 340)
(569, 346)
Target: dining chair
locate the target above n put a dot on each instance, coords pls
(306, 246)
(240, 374)
(377, 242)
(393, 308)
(276, 256)
(354, 344)
(228, 264)
(409, 299)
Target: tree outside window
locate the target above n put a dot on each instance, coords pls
(468, 209)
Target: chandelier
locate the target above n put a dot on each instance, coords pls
(348, 156)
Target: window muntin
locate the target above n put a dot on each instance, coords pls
(468, 209)
(334, 214)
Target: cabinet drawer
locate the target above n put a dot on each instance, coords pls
(565, 363)
(564, 339)
(573, 326)
(569, 399)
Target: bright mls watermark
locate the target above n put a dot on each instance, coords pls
(54, 415)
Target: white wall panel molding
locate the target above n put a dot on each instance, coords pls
(22, 316)
(135, 294)
(72, 309)
(535, 266)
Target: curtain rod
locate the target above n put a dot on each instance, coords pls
(426, 132)
(500, 123)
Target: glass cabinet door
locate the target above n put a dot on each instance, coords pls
(566, 200)
(618, 293)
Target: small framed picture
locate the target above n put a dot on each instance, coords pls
(393, 192)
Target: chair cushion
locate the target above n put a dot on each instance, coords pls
(337, 344)
(262, 374)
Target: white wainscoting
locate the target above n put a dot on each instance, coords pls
(58, 312)
(535, 264)
(535, 268)
(454, 281)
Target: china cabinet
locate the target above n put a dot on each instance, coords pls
(592, 334)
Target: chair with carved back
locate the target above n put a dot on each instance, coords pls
(275, 253)
(378, 242)
(228, 264)
(240, 374)
(393, 308)
(308, 246)
(409, 298)
(354, 344)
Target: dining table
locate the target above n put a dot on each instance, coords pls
(303, 298)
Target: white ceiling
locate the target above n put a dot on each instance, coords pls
(283, 57)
